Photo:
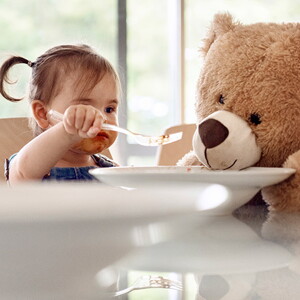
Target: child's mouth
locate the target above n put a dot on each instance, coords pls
(102, 134)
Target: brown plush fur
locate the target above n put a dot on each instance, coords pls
(285, 196)
(257, 70)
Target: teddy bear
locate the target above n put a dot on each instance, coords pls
(248, 103)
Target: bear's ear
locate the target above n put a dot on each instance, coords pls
(221, 24)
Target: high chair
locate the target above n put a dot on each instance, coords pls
(14, 134)
(169, 154)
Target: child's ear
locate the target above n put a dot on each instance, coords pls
(40, 113)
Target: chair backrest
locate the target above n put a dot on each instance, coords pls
(14, 134)
(169, 154)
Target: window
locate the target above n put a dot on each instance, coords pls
(154, 44)
(28, 28)
(153, 73)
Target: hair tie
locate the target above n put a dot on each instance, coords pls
(30, 64)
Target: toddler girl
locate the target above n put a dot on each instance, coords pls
(82, 85)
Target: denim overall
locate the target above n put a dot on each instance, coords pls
(71, 174)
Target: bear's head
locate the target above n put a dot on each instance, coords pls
(248, 95)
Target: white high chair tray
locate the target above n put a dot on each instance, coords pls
(55, 238)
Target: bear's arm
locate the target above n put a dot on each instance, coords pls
(189, 159)
(285, 196)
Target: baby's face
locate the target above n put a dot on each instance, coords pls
(104, 97)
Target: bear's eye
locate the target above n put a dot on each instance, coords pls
(222, 99)
(255, 119)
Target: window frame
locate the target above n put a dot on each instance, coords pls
(176, 19)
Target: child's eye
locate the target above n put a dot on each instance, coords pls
(110, 110)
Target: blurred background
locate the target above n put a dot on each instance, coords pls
(152, 43)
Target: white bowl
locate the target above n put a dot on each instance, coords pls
(231, 188)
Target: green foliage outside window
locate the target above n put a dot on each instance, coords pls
(28, 28)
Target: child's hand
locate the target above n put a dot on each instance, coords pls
(84, 121)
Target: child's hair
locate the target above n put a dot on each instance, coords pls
(50, 69)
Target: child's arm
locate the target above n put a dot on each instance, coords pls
(36, 159)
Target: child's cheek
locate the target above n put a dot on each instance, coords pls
(96, 144)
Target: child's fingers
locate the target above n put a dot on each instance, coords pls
(96, 126)
(80, 115)
(98, 122)
(92, 132)
(69, 120)
(84, 121)
(89, 120)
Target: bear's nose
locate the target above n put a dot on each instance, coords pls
(212, 133)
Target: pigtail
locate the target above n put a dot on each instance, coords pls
(4, 74)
